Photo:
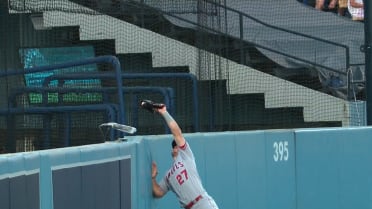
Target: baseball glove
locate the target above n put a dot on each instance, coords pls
(150, 105)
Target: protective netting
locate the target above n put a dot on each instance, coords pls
(259, 64)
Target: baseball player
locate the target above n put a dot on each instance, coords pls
(182, 177)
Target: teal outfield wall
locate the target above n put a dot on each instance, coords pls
(273, 169)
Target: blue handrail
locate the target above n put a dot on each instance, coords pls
(192, 77)
(58, 109)
(100, 59)
(166, 92)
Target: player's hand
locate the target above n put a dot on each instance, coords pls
(161, 110)
(154, 171)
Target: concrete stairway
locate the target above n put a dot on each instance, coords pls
(168, 52)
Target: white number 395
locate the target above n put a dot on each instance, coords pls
(281, 152)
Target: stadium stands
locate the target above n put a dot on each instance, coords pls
(236, 88)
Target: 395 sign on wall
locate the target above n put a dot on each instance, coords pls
(281, 151)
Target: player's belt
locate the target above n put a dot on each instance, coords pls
(192, 203)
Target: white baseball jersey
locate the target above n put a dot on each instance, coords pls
(183, 179)
(356, 12)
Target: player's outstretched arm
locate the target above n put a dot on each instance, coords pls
(173, 126)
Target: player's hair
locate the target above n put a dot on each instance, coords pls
(174, 143)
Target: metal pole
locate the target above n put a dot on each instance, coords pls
(368, 57)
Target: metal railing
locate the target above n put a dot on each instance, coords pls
(190, 76)
(166, 92)
(45, 111)
(100, 59)
(141, 4)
